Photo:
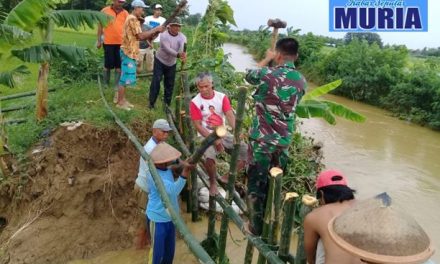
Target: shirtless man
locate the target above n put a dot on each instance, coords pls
(334, 196)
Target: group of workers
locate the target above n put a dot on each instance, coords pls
(132, 43)
(129, 41)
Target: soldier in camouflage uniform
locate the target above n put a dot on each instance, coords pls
(279, 90)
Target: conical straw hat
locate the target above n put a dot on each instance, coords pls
(164, 153)
(378, 232)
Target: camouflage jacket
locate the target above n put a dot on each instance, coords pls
(279, 91)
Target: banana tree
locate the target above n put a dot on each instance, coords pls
(311, 106)
(41, 15)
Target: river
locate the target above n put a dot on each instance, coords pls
(384, 154)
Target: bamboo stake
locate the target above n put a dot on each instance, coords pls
(249, 253)
(175, 217)
(21, 95)
(191, 139)
(177, 109)
(232, 170)
(308, 203)
(274, 173)
(273, 237)
(237, 199)
(42, 92)
(256, 241)
(212, 212)
(287, 226)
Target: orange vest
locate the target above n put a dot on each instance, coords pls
(113, 30)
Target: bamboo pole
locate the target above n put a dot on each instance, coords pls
(212, 213)
(175, 217)
(219, 132)
(14, 121)
(232, 171)
(287, 226)
(249, 253)
(177, 113)
(191, 139)
(274, 173)
(150, 74)
(273, 237)
(15, 108)
(308, 202)
(237, 199)
(21, 95)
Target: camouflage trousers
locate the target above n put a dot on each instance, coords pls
(263, 157)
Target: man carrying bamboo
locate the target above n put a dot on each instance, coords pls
(132, 33)
(161, 130)
(163, 232)
(279, 90)
(208, 110)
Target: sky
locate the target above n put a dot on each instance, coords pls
(312, 16)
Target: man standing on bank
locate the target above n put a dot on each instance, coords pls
(110, 37)
(279, 91)
(172, 43)
(132, 33)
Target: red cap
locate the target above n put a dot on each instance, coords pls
(325, 178)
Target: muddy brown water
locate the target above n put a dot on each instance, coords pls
(382, 154)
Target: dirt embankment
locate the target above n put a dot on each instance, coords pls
(52, 221)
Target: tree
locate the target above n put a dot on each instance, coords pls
(193, 19)
(84, 4)
(168, 7)
(368, 71)
(41, 15)
(369, 37)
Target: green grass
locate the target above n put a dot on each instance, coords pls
(64, 36)
(70, 37)
(78, 101)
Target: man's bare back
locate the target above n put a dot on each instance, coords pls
(315, 228)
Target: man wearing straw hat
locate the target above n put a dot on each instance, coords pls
(377, 231)
(334, 196)
(163, 232)
(161, 130)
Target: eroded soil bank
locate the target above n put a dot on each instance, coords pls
(52, 221)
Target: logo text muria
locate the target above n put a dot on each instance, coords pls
(379, 15)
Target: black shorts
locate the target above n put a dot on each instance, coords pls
(112, 59)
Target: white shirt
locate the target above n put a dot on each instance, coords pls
(153, 22)
(141, 180)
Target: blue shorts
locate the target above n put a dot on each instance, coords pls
(128, 70)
